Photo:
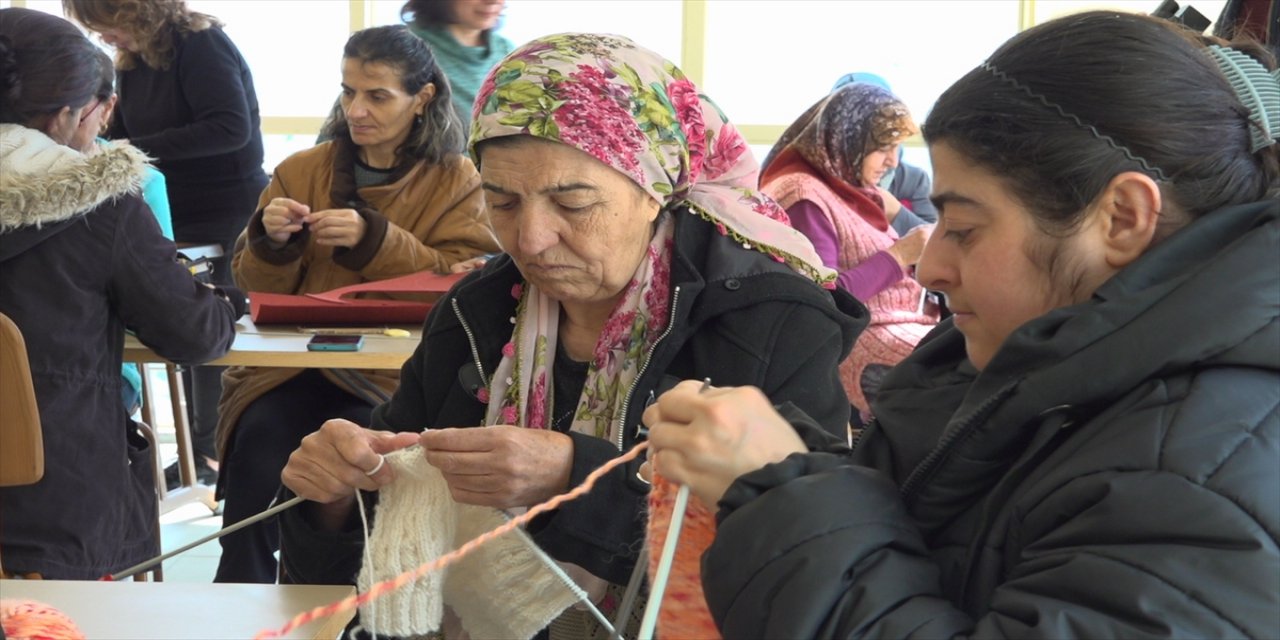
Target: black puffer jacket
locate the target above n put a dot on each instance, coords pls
(81, 260)
(738, 317)
(1113, 473)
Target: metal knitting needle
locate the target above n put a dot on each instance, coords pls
(143, 566)
(650, 619)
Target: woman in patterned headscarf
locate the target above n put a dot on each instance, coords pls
(638, 253)
(825, 171)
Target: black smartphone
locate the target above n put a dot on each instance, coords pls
(335, 343)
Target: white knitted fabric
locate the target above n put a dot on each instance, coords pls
(502, 589)
(414, 524)
(499, 590)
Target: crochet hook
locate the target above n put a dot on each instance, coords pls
(343, 331)
(147, 564)
(650, 619)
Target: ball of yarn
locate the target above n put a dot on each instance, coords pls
(31, 620)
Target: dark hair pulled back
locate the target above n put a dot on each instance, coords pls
(45, 64)
(439, 133)
(1062, 108)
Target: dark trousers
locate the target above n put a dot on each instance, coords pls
(211, 214)
(270, 429)
(203, 387)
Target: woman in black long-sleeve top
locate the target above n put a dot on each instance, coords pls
(187, 100)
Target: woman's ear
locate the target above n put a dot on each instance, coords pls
(1129, 212)
(424, 98)
(108, 112)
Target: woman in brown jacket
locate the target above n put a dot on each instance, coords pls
(390, 195)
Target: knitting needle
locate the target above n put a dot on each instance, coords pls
(650, 619)
(143, 566)
(633, 589)
(383, 331)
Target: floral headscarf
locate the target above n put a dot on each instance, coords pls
(636, 112)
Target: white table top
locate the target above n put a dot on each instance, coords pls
(183, 611)
(286, 346)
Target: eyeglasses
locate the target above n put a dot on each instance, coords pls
(85, 116)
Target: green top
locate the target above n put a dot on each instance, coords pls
(464, 66)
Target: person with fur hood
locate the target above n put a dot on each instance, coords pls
(82, 259)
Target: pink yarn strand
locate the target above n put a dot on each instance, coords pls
(387, 586)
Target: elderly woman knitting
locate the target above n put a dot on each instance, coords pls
(825, 171)
(637, 254)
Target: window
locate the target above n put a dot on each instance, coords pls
(655, 24)
(763, 62)
(760, 76)
(293, 49)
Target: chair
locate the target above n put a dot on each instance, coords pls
(21, 443)
(189, 490)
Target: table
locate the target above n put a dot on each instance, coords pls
(182, 611)
(286, 346)
(267, 346)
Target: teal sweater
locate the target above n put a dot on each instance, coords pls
(156, 197)
(464, 66)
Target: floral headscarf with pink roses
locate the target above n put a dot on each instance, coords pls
(636, 112)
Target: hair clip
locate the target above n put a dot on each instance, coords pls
(1257, 89)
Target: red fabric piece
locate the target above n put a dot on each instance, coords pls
(338, 306)
(1253, 19)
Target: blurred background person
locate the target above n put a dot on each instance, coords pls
(390, 195)
(82, 259)
(906, 182)
(463, 34)
(825, 170)
(186, 98)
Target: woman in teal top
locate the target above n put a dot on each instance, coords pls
(461, 33)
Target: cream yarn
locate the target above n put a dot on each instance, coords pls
(414, 523)
(502, 589)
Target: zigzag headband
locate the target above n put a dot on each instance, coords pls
(1112, 142)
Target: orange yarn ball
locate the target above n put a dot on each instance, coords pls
(31, 620)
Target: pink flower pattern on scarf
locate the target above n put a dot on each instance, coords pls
(684, 97)
(591, 120)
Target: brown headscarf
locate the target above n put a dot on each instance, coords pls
(834, 135)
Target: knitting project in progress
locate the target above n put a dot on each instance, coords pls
(683, 612)
(505, 588)
(499, 590)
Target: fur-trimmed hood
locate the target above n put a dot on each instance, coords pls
(43, 182)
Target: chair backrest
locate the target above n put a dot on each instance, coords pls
(21, 443)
